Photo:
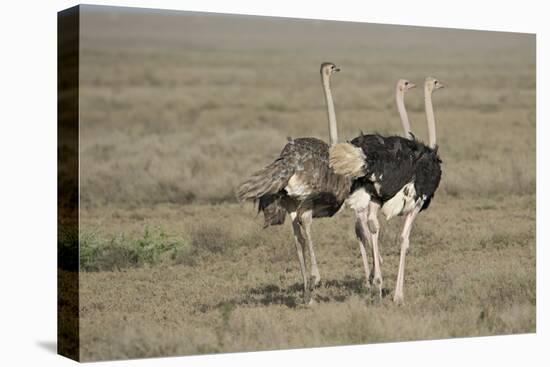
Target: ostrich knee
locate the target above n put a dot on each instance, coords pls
(405, 243)
(373, 226)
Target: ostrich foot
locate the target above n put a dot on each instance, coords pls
(308, 299)
(315, 276)
(398, 298)
(368, 284)
(377, 280)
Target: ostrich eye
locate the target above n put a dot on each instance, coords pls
(406, 83)
(435, 82)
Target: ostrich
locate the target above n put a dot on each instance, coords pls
(363, 234)
(392, 174)
(301, 183)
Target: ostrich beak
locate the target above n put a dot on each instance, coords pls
(411, 85)
(337, 69)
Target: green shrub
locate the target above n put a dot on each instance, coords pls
(123, 251)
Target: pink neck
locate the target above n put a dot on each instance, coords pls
(400, 100)
(430, 117)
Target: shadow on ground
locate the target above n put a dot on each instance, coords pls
(332, 290)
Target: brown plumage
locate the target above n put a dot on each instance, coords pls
(315, 186)
(301, 183)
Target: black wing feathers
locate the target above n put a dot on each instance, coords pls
(394, 161)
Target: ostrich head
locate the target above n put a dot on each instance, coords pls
(432, 84)
(328, 68)
(404, 85)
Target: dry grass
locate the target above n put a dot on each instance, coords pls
(176, 110)
(462, 280)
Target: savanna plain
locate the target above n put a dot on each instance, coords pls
(178, 108)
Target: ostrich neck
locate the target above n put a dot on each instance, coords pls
(332, 126)
(400, 99)
(430, 118)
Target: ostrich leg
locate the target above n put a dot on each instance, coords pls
(374, 228)
(409, 219)
(300, 246)
(307, 219)
(363, 235)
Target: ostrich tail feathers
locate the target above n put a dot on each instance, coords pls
(347, 160)
(274, 212)
(267, 181)
(264, 188)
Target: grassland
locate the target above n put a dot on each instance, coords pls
(177, 109)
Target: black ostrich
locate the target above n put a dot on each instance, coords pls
(394, 174)
(301, 183)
